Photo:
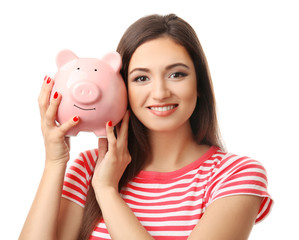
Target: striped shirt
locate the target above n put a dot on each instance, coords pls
(170, 204)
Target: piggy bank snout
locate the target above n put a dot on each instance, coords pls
(85, 92)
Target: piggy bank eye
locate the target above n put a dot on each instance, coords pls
(95, 69)
(78, 68)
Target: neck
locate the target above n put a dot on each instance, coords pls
(172, 150)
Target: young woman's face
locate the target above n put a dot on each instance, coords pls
(162, 85)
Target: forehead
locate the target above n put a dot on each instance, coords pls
(161, 51)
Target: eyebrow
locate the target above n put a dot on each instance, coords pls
(167, 68)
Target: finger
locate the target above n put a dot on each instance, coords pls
(52, 109)
(43, 99)
(65, 127)
(44, 96)
(123, 131)
(110, 137)
(102, 148)
(117, 128)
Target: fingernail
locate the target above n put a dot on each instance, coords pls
(55, 95)
(47, 79)
(75, 119)
(110, 124)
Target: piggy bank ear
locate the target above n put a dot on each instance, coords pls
(64, 57)
(113, 59)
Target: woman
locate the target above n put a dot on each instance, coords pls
(166, 175)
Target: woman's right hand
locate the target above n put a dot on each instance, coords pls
(57, 146)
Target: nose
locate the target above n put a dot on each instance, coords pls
(86, 92)
(160, 89)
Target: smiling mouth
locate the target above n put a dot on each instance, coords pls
(85, 109)
(163, 108)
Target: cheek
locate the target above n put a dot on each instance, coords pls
(192, 103)
(189, 97)
(134, 97)
(188, 92)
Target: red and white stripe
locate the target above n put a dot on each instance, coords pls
(170, 204)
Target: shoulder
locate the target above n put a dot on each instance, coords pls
(238, 175)
(85, 161)
(229, 164)
(88, 156)
(237, 170)
(78, 176)
(220, 164)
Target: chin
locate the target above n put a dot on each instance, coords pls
(166, 126)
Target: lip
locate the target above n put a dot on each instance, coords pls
(163, 110)
(85, 109)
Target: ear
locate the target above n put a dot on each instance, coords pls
(64, 57)
(113, 59)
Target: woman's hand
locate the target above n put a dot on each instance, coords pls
(47, 216)
(111, 164)
(120, 220)
(56, 144)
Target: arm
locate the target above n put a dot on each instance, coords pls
(119, 219)
(69, 220)
(42, 217)
(228, 218)
(50, 216)
(44, 220)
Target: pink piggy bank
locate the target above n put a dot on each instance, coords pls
(92, 89)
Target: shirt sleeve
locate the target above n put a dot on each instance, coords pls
(236, 175)
(78, 176)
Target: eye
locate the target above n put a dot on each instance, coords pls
(78, 68)
(95, 69)
(178, 75)
(141, 79)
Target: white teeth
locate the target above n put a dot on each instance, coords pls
(162, 109)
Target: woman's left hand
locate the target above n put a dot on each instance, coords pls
(111, 164)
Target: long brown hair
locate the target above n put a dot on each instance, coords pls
(203, 120)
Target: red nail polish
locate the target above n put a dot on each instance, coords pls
(48, 80)
(55, 95)
(75, 119)
(110, 124)
(45, 78)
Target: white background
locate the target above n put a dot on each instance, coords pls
(252, 49)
